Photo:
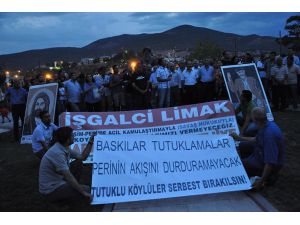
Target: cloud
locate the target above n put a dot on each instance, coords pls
(24, 31)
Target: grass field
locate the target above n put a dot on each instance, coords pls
(19, 175)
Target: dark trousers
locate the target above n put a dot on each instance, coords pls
(246, 149)
(73, 107)
(18, 112)
(175, 96)
(190, 94)
(206, 92)
(66, 192)
(265, 84)
(279, 96)
(40, 153)
(93, 107)
(140, 101)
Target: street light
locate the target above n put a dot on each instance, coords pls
(6, 72)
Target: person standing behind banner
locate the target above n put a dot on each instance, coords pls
(175, 85)
(293, 72)
(163, 77)
(154, 86)
(102, 79)
(262, 70)
(43, 135)
(140, 85)
(190, 81)
(116, 84)
(279, 75)
(17, 97)
(73, 93)
(92, 94)
(58, 178)
(207, 82)
(62, 98)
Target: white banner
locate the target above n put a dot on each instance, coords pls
(212, 118)
(135, 168)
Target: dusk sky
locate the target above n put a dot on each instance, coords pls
(26, 31)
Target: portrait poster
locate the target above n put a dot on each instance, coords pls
(40, 97)
(245, 77)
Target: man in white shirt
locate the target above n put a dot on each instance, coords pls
(153, 84)
(293, 73)
(207, 82)
(43, 135)
(279, 76)
(290, 53)
(103, 79)
(190, 81)
(175, 85)
(163, 77)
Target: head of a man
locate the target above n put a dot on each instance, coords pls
(73, 76)
(279, 62)
(115, 69)
(16, 83)
(290, 52)
(241, 73)
(64, 136)
(206, 62)
(246, 96)
(259, 116)
(45, 117)
(160, 62)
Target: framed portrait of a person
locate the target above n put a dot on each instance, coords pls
(40, 98)
(245, 77)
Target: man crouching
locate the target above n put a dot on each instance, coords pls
(56, 182)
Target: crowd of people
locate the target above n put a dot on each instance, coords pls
(158, 85)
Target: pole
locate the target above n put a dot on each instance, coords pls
(280, 48)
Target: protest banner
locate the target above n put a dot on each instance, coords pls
(245, 77)
(147, 167)
(40, 97)
(208, 118)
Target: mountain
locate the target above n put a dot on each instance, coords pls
(181, 37)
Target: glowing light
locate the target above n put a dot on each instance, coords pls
(19, 71)
(6, 72)
(48, 76)
(16, 76)
(133, 65)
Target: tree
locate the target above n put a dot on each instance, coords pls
(205, 50)
(292, 40)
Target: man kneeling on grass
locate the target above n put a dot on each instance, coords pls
(264, 154)
(56, 182)
(43, 135)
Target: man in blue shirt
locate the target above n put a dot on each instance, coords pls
(43, 135)
(264, 154)
(73, 93)
(207, 82)
(17, 97)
